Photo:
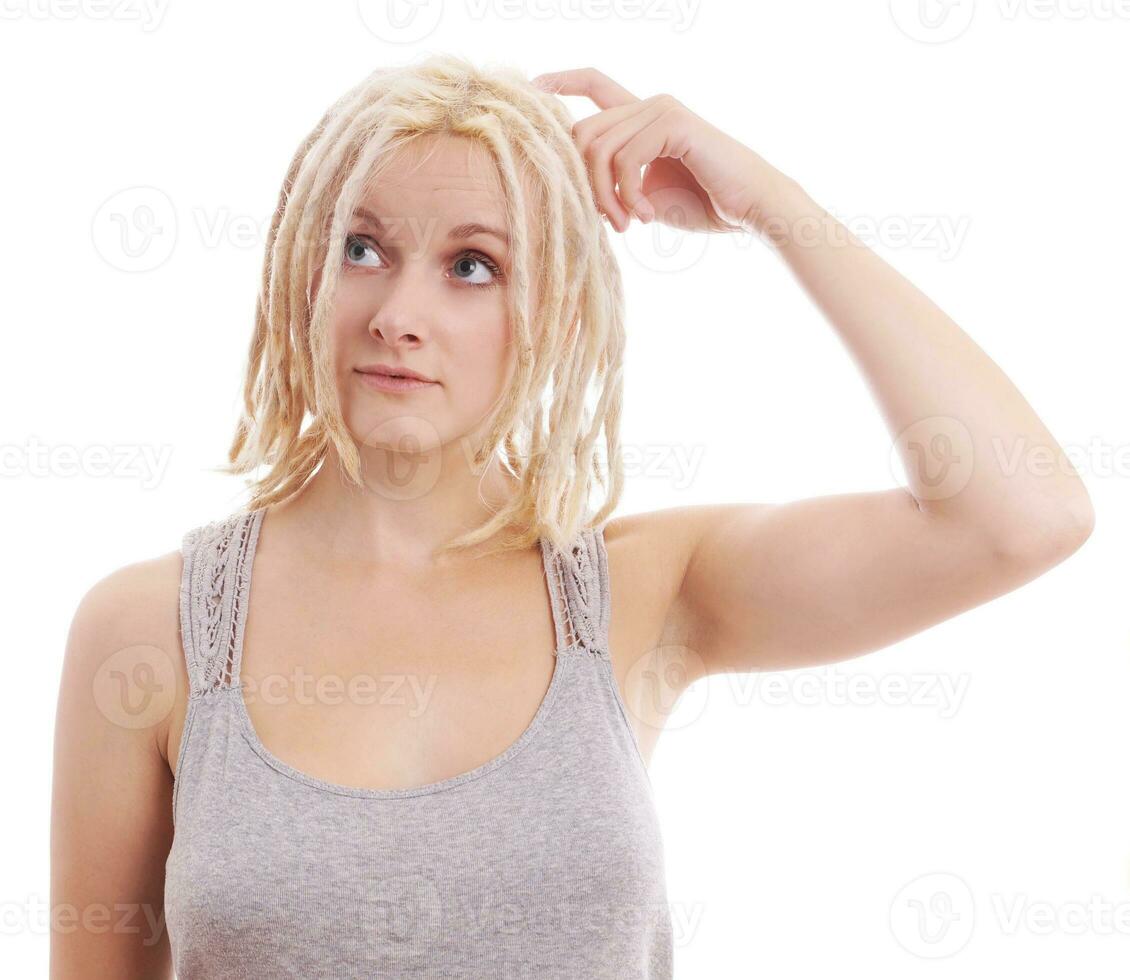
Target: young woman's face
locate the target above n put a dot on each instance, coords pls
(422, 290)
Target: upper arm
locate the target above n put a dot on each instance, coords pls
(111, 820)
(822, 579)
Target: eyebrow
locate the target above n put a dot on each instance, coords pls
(466, 230)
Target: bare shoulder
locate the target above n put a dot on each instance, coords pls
(111, 813)
(654, 548)
(672, 533)
(127, 626)
(136, 603)
(648, 557)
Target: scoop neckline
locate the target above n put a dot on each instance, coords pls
(561, 654)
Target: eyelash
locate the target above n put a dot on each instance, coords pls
(486, 260)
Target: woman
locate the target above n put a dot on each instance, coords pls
(393, 756)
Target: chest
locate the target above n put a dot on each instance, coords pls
(377, 684)
(296, 878)
(416, 754)
(384, 683)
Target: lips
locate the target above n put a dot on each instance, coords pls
(380, 381)
(394, 371)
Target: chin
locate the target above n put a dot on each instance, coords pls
(396, 432)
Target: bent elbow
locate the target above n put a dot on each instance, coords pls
(1054, 536)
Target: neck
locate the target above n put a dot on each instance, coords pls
(408, 505)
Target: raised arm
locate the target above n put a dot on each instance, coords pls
(111, 825)
(991, 500)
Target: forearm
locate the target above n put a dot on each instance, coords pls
(972, 448)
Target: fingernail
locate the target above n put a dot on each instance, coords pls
(644, 210)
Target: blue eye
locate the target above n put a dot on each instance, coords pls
(354, 243)
(469, 262)
(471, 258)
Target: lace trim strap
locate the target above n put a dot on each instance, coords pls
(217, 560)
(214, 586)
(578, 583)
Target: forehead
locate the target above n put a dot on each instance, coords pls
(441, 171)
(452, 180)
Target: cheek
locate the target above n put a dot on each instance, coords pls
(350, 317)
(485, 346)
(341, 316)
(480, 358)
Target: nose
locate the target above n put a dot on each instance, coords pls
(394, 330)
(399, 319)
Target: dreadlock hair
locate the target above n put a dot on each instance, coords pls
(543, 429)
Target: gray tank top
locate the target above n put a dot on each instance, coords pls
(544, 862)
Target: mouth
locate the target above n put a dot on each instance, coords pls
(393, 382)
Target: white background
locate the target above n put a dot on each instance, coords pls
(985, 151)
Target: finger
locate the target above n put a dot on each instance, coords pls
(594, 127)
(585, 133)
(587, 129)
(588, 82)
(616, 157)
